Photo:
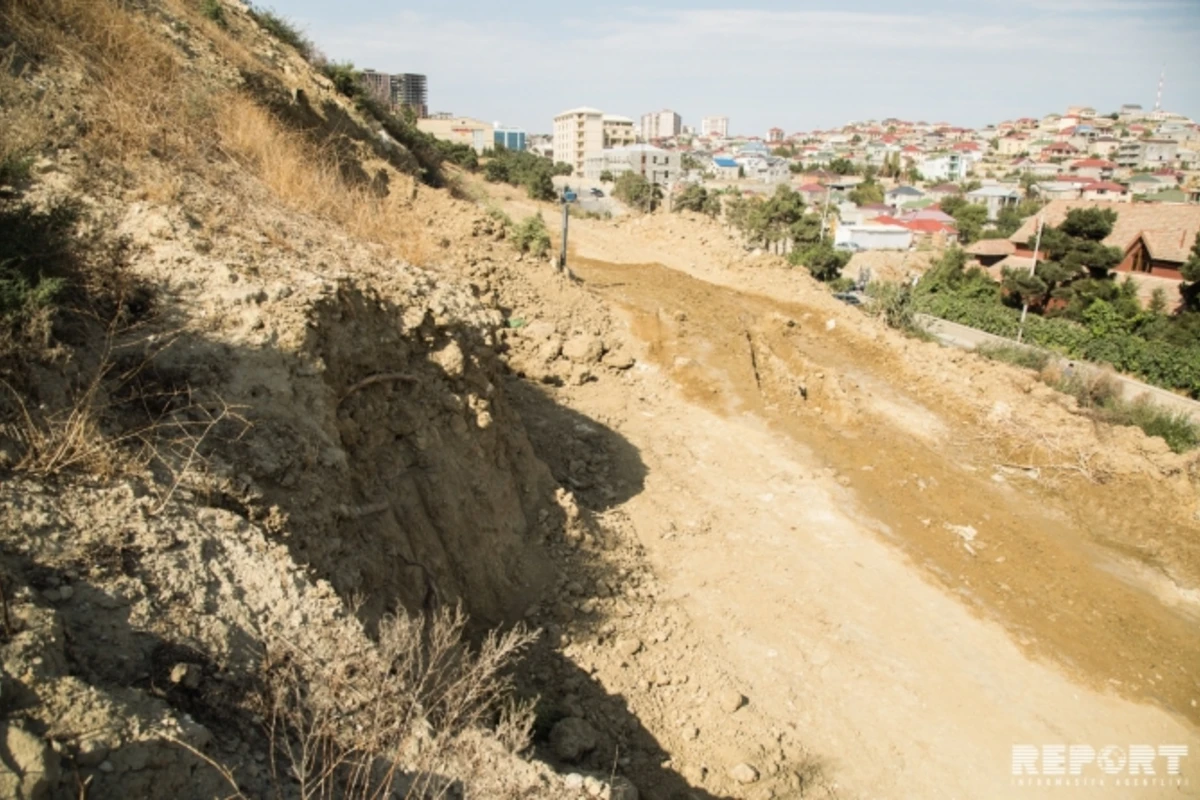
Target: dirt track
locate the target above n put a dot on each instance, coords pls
(852, 523)
(795, 489)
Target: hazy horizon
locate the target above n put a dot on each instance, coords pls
(797, 66)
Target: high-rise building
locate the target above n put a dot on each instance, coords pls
(578, 133)
(661, 125)
(409, 90)
(715, 126)
(378, 84)
(398, 90)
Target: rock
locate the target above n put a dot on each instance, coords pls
(91, 753)
(744, 773)
(188, 675)
(618, 360)
(691, 732)
(65, 593)
(573, 781)
(450, 358)
(583, 349)
(731, 700)
(592, 786)
(538, 331)
(571, 738)
(629, 647)
(28, 768)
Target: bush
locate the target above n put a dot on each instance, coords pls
(696, 198)
(284, 30)
(1015, 354)
(36, 253)
(635, 191)
(531, 236)
(894, 303)
(213, 10)
(1174, 427)
(822, 260)
(522, 168)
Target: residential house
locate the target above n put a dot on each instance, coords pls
(1104, 146)
(1155, 239)
(1106, 191)
(995, 198)
(659, 166)
(943, 167)
(942, 191)
(812, 192)
(1096, 169)
(726, 169)
(874, 236)
(900, 195)
(618, 131)
(1137, 153)
(1059, 150)
(989, 252)
(1012, 143)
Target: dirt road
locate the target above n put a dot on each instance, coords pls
(852, 554)
(866, 535)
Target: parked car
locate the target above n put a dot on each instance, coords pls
(597, 192)
(852, 247)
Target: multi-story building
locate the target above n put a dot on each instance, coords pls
(714, 126)
(459, 130)
(508, 138)
(618, 131)
(775, 135)
(409, 90)
(662, 167)
(378, 85)
(661, 125)
(578, 134)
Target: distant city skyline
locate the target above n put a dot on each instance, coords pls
(767, 63)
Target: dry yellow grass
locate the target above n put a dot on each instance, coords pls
(306, 178)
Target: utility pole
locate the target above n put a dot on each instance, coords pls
(825, 214)
(1037, 245)
(567, 197)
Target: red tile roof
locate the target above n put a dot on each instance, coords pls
(1104, 186)
(1089, 163)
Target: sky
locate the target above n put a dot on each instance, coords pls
(767, 63)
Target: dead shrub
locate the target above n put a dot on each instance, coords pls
(396, 719)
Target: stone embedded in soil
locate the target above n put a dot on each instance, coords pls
(744, 773)
(29, 768)
(572, 738)
(731, 700)
(629, 647)
(583, 349)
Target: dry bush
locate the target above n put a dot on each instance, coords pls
(405, 718)
(306, 178)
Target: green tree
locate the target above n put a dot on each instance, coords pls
(843, 166)
(969, 218)
(822, 260)
(1190, 288)
(1070, 253)
(865, 193)
(696, 198)
(606, 176)
(540, 186)
(635, 191)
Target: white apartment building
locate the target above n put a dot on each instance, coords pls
(653, 163)
(714, 126)
(661, 125)
(578, 133)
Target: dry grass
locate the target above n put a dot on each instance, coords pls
(142, 103)
(306, 178)
(397, 720)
